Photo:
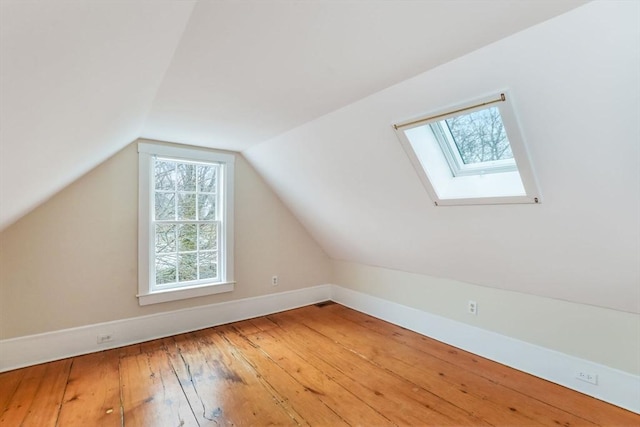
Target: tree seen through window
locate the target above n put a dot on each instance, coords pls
(186, 223)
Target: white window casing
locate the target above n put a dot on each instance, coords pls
(431, 150)
(219, 277)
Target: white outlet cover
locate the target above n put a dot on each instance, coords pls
(473, 307)
(587, 377)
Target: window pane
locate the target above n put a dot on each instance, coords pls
(188, 269)
(207, 176)
(165, 238)
(480, 136)
(186, 206)
(165, 269)
(186, 177)
(165, 175)
(187, 237)
(165, 206)
(208, 237)
(206, 206)
(208, 265)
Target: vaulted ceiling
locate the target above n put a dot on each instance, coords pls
(81, 79)
(307, 90)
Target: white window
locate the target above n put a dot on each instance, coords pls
(471, 154)
(475, 143)
(185, 223)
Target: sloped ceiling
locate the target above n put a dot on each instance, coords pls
(248, 71)
(299, 87)
(81, 79)
(77, 79)
(575, 83)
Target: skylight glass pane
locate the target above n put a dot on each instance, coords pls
(480, 136)
(463, 155)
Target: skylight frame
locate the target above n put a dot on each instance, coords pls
(529, 194)
(450, 148)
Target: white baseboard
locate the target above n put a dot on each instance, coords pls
(614, 386)
(33, 349)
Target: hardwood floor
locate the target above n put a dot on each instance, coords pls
(319, 365)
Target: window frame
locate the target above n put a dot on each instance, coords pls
(148, 291)
(524, 171)
(458, 167)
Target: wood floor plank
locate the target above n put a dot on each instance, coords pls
(398, 399)
(535, 409)
(331, 393)
(92, 396)
(239, 395)
(18, 405)
(152, 346)
(323, 365)
(45, 406)
(600, 412)
(9, 382)
(189, 366)
(151, 393)
(130, 350)
(326, 389)
(474, 384)
(314, 381)
(504, 407)
(376, 354)
(305, 402)
(213, 390)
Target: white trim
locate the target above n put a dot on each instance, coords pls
(33, 349)
(458, 167)
(148, 292)
(449, 184)
(185, 293)
(614, 386)
(185, 153)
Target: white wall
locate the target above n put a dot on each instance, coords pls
(73, 260)
(78, 79)
(574, 84)
(600, 335)
(563, 275)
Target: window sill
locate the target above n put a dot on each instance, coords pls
(184, 293)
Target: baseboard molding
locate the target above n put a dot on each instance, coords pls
(34, 349)
(614, 386)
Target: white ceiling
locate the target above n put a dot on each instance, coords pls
(77, 79)
(575, 86)
(248, 71)
(299, 87)
(80, 79)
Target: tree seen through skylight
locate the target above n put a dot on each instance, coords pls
(480, 136)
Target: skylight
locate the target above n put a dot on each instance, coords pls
(475, 143)
(471, 154)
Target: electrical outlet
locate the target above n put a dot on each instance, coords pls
(587, 377)
(274, 281)
(103, 338)
(473, 307)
